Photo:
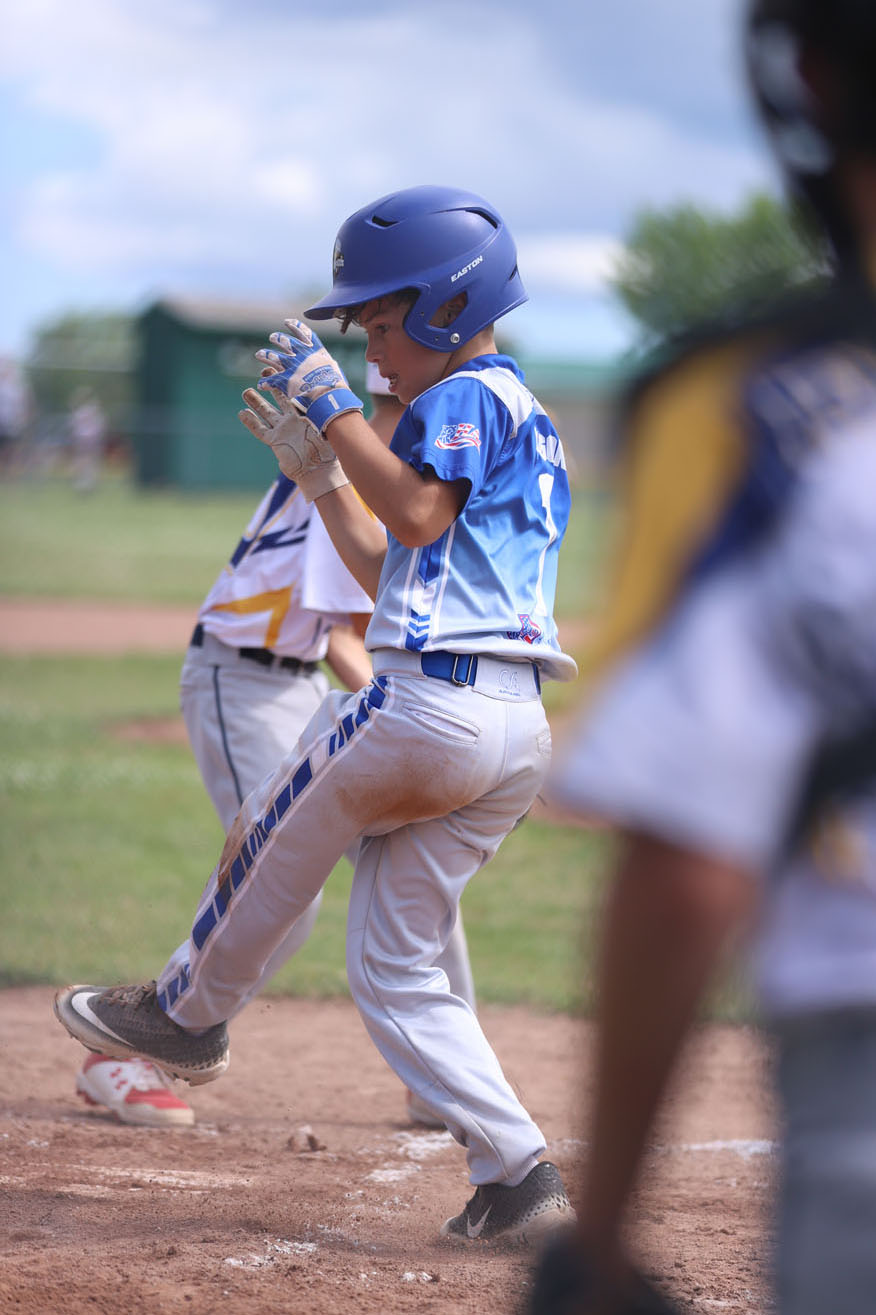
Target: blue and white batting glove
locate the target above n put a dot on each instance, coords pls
(307, 375)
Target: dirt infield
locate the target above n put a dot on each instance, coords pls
(241, 1214)
(238, 1214)
(32, 626)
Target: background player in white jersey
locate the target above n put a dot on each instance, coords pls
(435, 761)
(250, 683)
(733, 733)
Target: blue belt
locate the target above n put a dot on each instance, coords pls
(458, 668)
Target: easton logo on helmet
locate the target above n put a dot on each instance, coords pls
(337, 258)
(478, 260)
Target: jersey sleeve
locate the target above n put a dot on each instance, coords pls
(327, 586)
(458, 428)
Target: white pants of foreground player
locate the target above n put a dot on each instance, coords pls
(432, 777)
(243, 719)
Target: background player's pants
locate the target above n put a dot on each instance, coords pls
(827, 1225)
(242, 720)
(432, 776)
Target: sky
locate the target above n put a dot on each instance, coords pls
(212, 148)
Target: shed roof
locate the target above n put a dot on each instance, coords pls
(234, 315)
(556, 378)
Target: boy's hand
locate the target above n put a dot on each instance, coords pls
(302, 453)
(307, 376)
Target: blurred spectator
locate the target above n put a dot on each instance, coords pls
(87, 427)
(16, 409)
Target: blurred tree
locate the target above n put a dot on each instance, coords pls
(684, 266)
(88, 351)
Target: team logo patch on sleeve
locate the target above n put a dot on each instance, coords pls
(463, 435)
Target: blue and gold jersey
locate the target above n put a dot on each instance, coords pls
(734, 709)
(284, 586)
(715, 442)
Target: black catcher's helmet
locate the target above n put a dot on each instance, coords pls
(812, 65)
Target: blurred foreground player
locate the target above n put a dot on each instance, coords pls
(732, 733)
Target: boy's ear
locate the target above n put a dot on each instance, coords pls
(447, 313)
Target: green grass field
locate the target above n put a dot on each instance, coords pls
(117, 543)
(106, 841)
(166, 547)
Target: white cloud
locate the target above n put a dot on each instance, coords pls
(292, 184)
(228, 142)
(568, 262)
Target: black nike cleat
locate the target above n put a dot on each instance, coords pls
(526, 1213)
(126, 1021)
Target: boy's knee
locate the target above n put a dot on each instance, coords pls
(375, 972)
(365, 963)
(363, 970)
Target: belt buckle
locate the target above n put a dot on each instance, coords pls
(470, 671)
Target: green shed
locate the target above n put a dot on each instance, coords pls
(195, 359)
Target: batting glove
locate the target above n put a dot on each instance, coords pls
(307, 376)
(302, 453)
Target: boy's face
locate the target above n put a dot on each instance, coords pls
(408, 367)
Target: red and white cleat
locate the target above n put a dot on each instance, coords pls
(135, 1090)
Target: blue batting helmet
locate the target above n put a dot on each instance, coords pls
(439, 241)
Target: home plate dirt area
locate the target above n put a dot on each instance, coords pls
(303, 1188)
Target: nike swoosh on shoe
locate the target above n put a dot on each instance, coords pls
(475, 1230)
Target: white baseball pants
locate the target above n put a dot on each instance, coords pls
(242, 720)
(431, 777)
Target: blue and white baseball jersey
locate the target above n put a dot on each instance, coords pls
(488, 584)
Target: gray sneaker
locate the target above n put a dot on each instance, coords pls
(526, 1213)
(124, 1021)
